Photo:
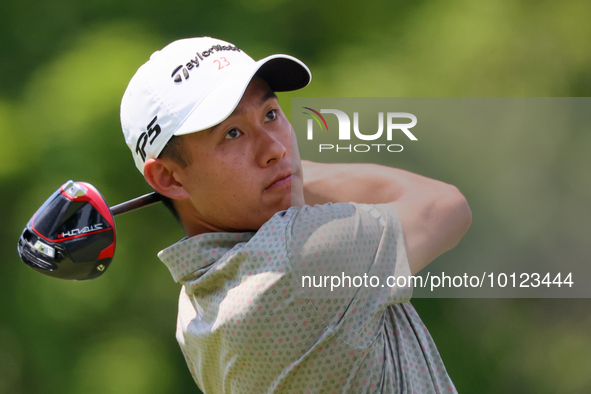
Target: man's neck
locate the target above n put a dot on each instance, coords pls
(193, 228)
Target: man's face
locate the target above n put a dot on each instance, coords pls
(245, 169)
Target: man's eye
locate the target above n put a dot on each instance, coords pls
(271, 115)
(234, 133)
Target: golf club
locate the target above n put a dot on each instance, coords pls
(72, 235)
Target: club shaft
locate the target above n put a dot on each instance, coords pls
(136, 203)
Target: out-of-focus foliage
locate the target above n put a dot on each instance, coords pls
(65, 64)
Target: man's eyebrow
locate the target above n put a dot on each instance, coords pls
(266, 97)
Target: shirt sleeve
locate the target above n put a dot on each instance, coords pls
(349, 260)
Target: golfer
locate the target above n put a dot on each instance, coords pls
(206, 130)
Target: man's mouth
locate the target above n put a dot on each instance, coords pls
(280, 180)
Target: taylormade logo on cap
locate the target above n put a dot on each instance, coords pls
(192, 85)
(194, 63)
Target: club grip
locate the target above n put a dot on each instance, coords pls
(136, 203)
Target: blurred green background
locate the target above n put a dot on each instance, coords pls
(65, 64)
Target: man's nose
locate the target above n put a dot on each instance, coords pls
(270, 147)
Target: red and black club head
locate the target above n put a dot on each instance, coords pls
(71, 236)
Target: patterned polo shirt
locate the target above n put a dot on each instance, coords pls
(248, 324)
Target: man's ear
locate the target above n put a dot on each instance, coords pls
(160, 174)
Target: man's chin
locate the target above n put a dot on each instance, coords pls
(267, 214)
(293, 200)
(296, 200)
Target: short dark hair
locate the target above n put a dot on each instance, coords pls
(176, 151)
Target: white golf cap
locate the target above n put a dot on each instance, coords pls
(192, 85)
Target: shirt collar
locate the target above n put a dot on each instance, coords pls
(190, 254)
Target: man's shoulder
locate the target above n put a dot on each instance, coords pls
(297, 226)
(321, 214)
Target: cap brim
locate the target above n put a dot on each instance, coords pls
(281, 72)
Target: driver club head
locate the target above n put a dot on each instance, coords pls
(71, 236)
